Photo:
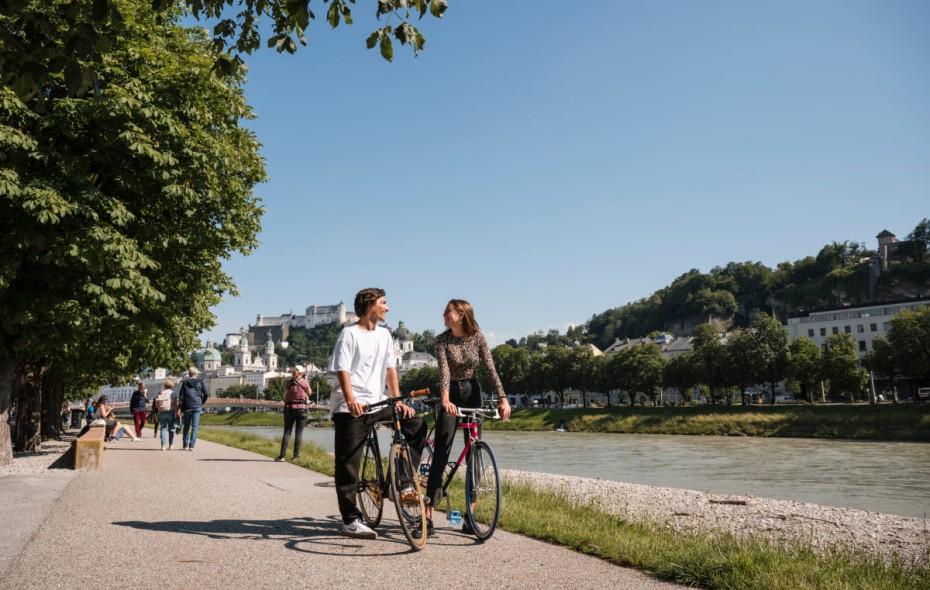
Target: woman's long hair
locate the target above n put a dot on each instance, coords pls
(469, 325)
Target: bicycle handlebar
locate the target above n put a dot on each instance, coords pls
(399, 398)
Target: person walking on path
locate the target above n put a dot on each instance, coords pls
(138, 405)
(167, 407)
(364, 364)
(459, 350)
(295, 411)
(191, 398)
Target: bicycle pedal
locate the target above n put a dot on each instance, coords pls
(455, 518)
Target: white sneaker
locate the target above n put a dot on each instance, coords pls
(164, 448)
(358, 530)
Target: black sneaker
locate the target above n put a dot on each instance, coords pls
(466, 527)
(430, 529)
(278, 459)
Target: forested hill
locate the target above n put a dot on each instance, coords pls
(732, 294)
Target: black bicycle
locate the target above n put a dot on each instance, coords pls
(401, 483)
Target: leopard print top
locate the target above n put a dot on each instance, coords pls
(459, 357)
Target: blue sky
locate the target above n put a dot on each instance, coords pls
(548, 160)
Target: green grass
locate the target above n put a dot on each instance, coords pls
(714, 562)
(255, 419)
(899, 422)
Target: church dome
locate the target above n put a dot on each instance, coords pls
(402, 333)
(210, 354)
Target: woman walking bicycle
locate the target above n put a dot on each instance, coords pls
(459, 350)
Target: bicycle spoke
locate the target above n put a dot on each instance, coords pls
(482, 490)
(408, 499)
(370, 499)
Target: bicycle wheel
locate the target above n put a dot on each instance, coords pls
(426, 463)
(370, 499)
(483, 490)
(408, 499)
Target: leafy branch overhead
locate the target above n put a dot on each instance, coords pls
(28, 61)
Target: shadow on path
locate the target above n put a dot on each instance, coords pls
(306, 535)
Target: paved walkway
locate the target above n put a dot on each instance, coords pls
(224, 518)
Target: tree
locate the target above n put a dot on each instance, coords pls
(646, 364)
(70, 39)
(710, 359)
(513, 367)
(556, 370)
(743, 361)
(841, 364)
(245, 391)
(805, 364)
(771, 342)
(583, 370)
(681, 373)
(883, 362)
(320, 387)
(275, 390)
(421, 378)
(909, 337)
(619, 372)
(117, 209)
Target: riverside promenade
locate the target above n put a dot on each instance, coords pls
(220, 517)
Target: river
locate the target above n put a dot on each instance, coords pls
(877, 476)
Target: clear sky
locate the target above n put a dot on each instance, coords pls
(550, 160)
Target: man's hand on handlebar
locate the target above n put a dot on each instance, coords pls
(355, 408)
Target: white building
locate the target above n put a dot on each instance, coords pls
(863, 322)
(315, 315)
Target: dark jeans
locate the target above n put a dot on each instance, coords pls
(296, 419)
(351, 434)
(465, 394)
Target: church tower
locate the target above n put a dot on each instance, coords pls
(271, 359)
(243, 355)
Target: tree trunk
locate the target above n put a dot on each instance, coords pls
(53, 394)
(28, 436)
(6, 395)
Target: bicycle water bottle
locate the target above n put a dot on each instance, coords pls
(455, 518)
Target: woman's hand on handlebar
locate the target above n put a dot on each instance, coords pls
(450, 408)
(405, 410)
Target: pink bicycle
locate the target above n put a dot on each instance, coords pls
(482, 478)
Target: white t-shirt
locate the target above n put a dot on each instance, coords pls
(366, 355)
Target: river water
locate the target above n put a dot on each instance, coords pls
(877, 476)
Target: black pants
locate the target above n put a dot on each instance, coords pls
(351, 434)
(296, 419)
(465, 394)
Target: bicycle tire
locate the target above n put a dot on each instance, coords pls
(370, 485)
(483, 490)
(408, 499)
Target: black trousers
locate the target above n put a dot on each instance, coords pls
(351, 434)
(295, 419)
(465, 394)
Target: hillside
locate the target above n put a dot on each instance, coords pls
(733, 294)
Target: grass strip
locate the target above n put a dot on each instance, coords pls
(714, 562)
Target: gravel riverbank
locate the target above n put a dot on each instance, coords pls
(780, 521)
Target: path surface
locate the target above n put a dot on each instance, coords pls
(224, 518)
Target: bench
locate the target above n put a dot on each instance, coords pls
(88, 449)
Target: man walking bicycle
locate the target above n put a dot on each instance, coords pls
(364, 364)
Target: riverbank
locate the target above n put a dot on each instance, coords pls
(706, 540)
(888, 422)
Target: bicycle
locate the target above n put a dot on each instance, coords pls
(401, 483)
(482, 478)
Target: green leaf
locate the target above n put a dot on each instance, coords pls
(372, 39)
(101, 10)
(438, 7)
(387, 48)
(332, 15)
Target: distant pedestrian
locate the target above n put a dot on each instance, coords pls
(167, 405)
(192, 395)
(138, 404)
(295, 411)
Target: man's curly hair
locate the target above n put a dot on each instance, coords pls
(365, 298)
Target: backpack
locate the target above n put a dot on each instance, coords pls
(164, 401)
(296, 394)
